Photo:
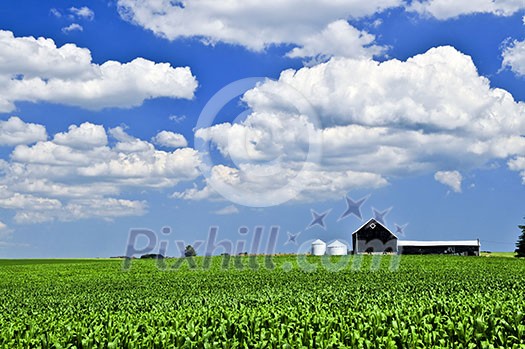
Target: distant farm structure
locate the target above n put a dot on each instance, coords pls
(318, 247)
(374, 238)
(336, 248)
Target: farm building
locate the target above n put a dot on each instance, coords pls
(461, 247)
(318, 247)
(374, 237)
(337, 248)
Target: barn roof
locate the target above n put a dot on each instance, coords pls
(372, 220)
(438, 243)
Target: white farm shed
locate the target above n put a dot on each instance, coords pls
(457, 247)
(336, 248)
(318, 247)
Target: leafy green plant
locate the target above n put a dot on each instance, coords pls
(430, 301)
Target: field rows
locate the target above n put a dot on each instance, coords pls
(429, 301)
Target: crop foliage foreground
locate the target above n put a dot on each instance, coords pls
(426, 301)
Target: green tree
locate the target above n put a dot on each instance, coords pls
(520, 250)
(190, 251)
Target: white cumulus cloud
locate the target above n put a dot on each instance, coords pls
(514, 57)
(518, 164)
(338, 39)
(83, 12)
(227, 210)
(35, 69)
(446, 9)
(73, 27)
(78, 174)
(451, 179)
(376, 121)
(196, 194)
(170, 140)
(14, 131)
(86, 136)
(257, 25)
(318, 29)
(38, 210)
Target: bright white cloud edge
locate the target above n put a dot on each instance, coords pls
(452, 179)
(36, 70)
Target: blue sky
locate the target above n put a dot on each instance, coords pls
(419, 106)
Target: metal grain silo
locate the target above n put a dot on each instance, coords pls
(318, 248)
(337, 248)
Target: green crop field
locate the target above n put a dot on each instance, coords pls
(498, 254)
(429, 301)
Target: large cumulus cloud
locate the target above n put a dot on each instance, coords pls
(377, 121)
(80, 174)
(36, 70)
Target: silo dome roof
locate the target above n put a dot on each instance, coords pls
(337, 243)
